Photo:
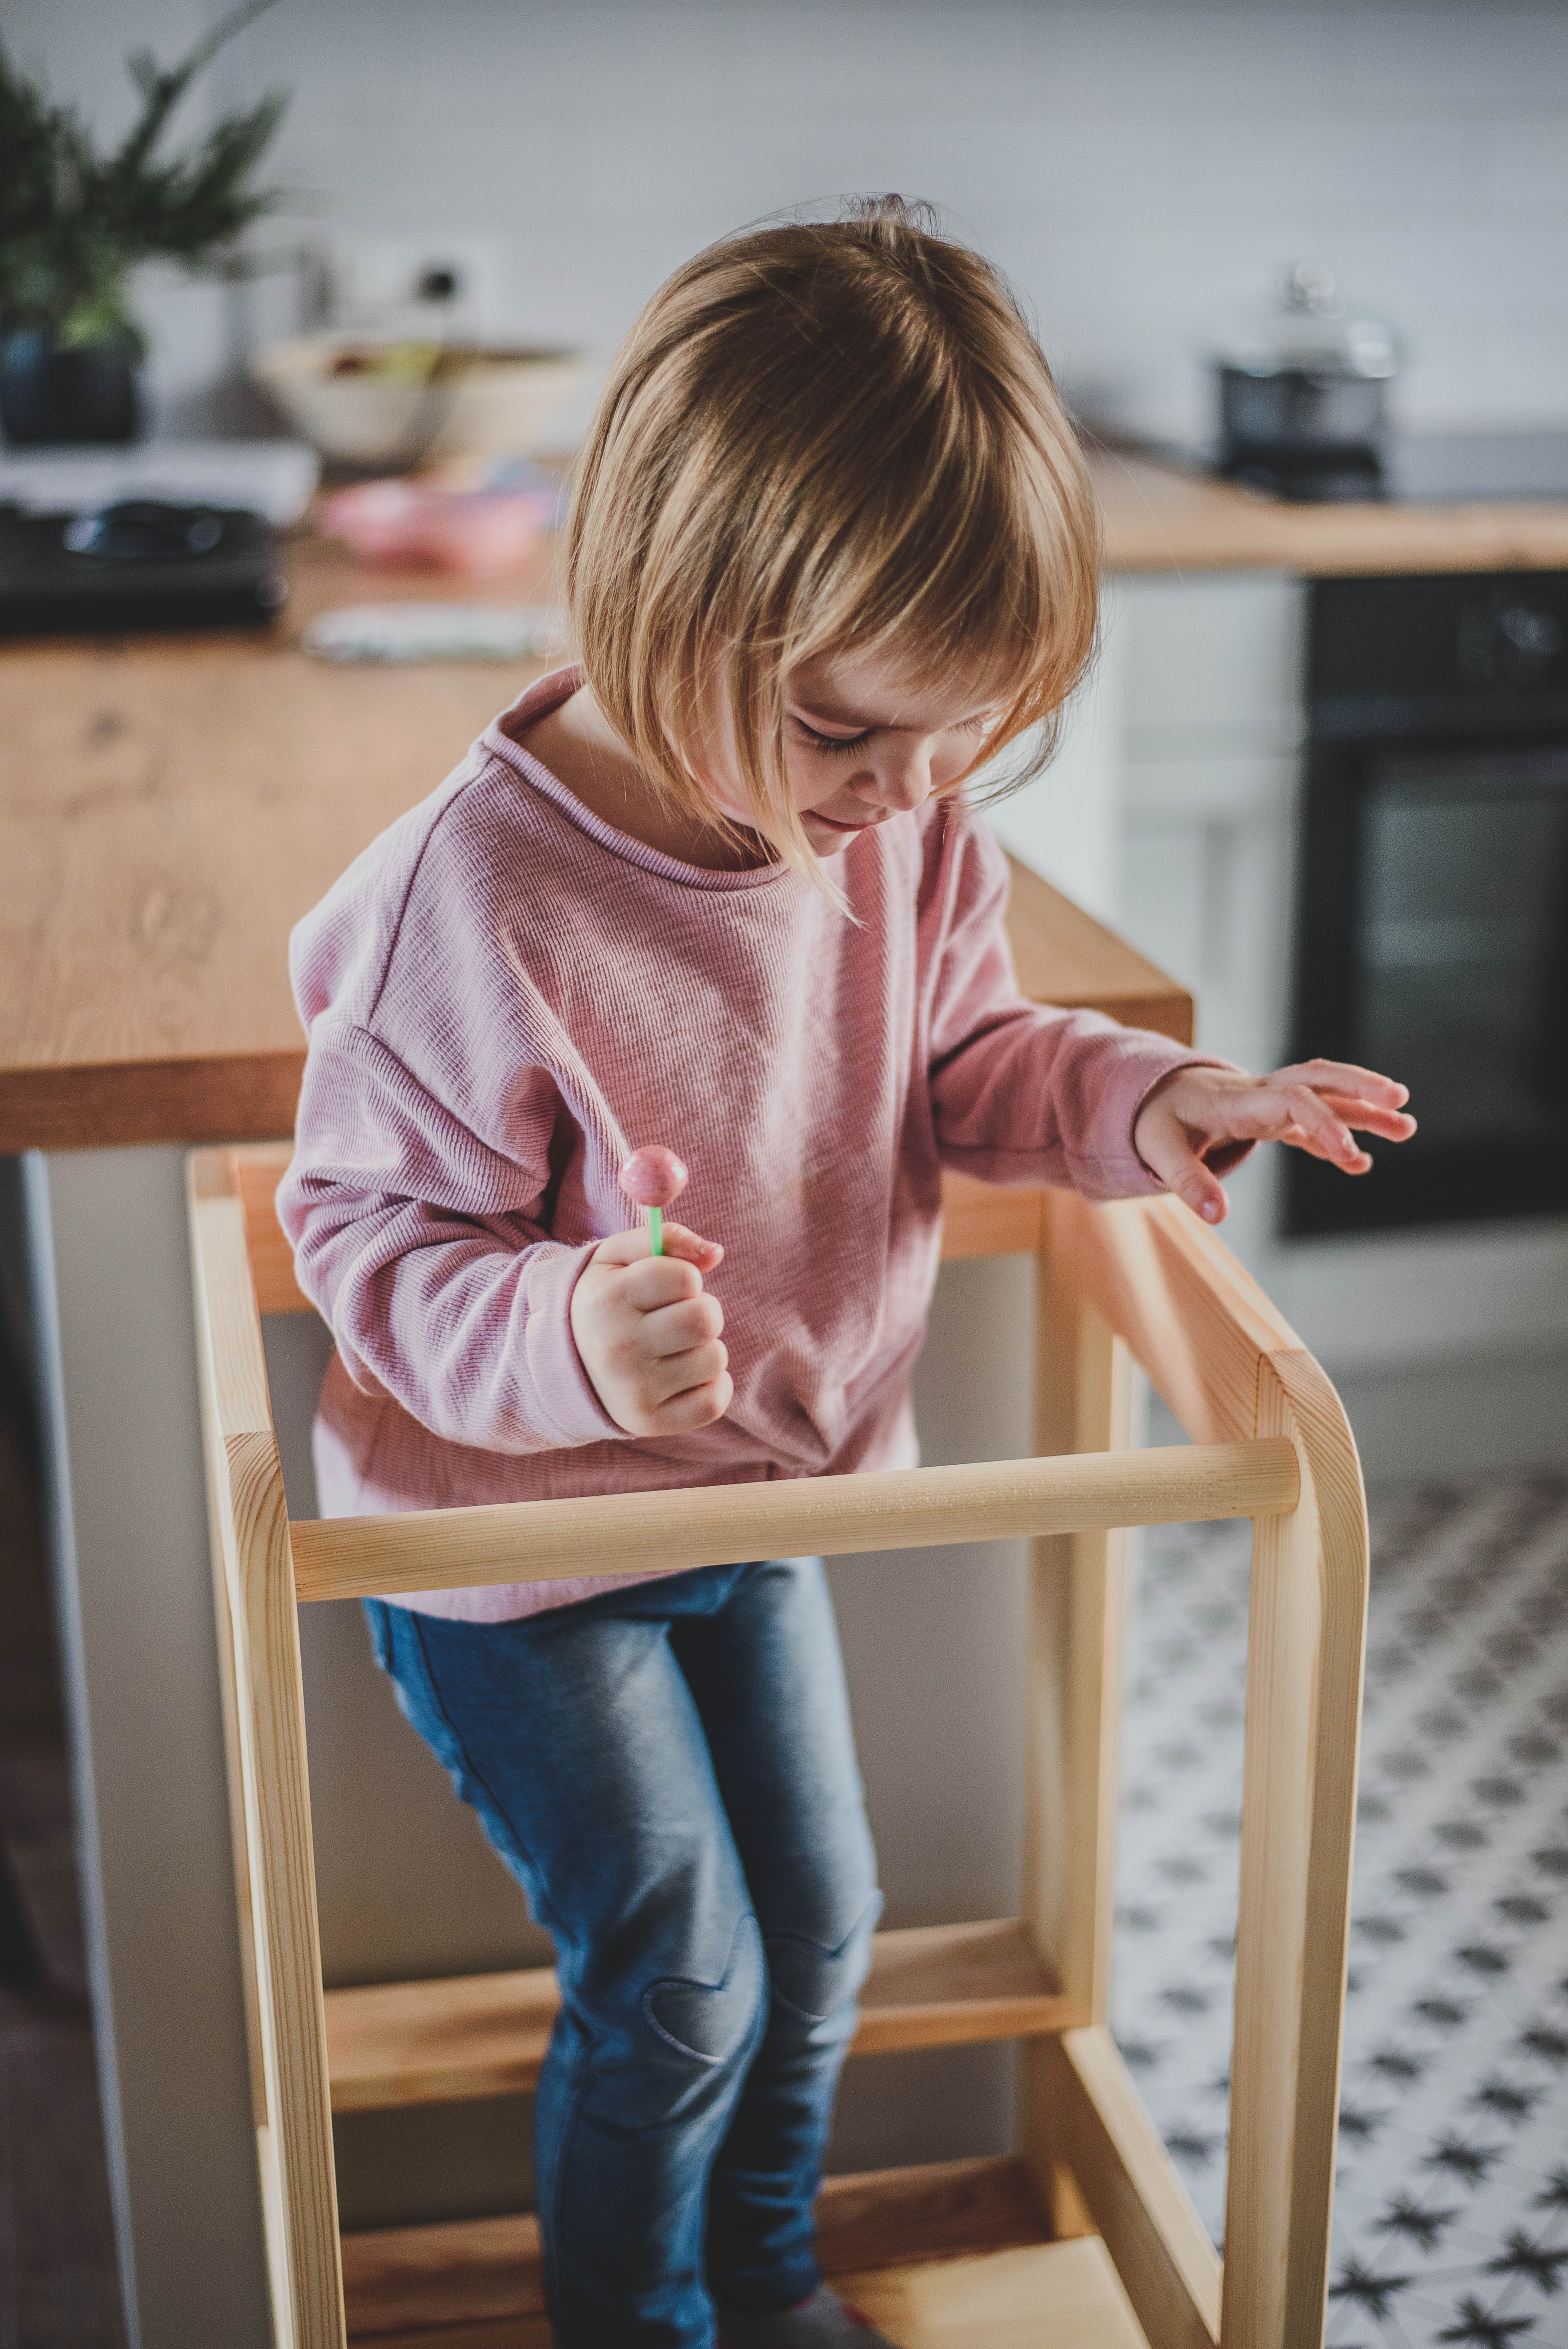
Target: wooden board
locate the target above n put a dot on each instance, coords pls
(979, 1219)
(170, 806)
(486, 2333)
(249, 1513)
(1131, 2192)
(835, 1517)
(1062, 954)
(1157, 519)
(1306, 1636)
(1047, 2296)
(414, 2281)
(1083, 1402)
(1197, 1323)
(485, 2034)
(255, 1171)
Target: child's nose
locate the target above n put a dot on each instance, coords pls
(906, 781)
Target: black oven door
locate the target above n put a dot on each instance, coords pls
(1433, 945)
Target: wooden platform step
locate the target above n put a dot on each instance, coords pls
(1048, 2296)
(485, 2034)
(475, 2283)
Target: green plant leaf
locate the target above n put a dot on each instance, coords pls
(74, 222)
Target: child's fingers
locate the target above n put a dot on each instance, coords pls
(682, 1246)
(695, 1407)
(1392, 1124)
(1343, 1077)
(676, 1328)
(680, 1240)
(677, 1374)
(658, 1280)
(623, 1247)
(1166, 1151)
(1271, 1111)
(1328, 1136)
(1310, 1114)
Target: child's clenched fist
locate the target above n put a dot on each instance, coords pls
(648, 1336)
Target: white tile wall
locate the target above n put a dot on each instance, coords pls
(1137, 169)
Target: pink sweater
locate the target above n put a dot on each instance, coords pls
(504, 996)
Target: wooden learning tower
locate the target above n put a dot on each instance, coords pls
(1085, 2240)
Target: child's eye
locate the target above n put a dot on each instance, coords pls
(831, 742)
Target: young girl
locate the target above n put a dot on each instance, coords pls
(832, 545)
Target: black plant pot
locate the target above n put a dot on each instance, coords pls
(55, 395)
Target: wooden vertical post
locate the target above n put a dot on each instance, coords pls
(228, 1695)
(306, 2265)
(294, 2145)
(1083, 1399)
(1303, 1716)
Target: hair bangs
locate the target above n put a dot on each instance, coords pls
(970, 574)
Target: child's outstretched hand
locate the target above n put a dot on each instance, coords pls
(1191, 1126)
(648, 1336)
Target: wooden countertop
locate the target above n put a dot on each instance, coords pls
(170, 806)
(1157, 519)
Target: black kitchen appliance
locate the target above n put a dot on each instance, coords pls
(1301, 389)
(1432, 937)
(138, 564)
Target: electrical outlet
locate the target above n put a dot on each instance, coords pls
(434, 286)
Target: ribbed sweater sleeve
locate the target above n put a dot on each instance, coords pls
(419, 1246)
(1021, 1093)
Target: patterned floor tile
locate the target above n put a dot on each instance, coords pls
(1451, 2214)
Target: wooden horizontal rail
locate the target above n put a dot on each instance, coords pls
(723, 1524)
(979, 1219)
(473, 2035)
(420, 2281)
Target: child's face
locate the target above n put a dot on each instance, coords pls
(864, 742)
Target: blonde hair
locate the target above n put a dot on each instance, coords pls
(819, 437)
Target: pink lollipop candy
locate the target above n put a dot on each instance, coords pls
(655, 1178)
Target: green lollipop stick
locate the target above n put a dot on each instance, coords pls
(655, 1178)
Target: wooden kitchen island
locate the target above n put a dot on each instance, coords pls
(170, 806)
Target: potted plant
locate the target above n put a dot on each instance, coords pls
(74, 222)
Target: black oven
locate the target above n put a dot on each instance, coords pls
(1432, 932)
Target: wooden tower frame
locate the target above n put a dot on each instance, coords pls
(1087, 2239)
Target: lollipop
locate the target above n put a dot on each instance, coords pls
(655, 1178)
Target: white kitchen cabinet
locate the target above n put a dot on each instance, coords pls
(1208, 757)
(1211, 665)
(1211, 676)
(1067, 823)
(1211, 697)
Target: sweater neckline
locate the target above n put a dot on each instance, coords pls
(547, 693)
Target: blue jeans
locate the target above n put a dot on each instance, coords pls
(670, 1772)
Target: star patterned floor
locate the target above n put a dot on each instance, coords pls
(1452, 2207)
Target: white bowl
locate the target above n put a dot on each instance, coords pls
(498, 404)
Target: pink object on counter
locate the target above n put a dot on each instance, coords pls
(654, 1177)
(474, 533)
